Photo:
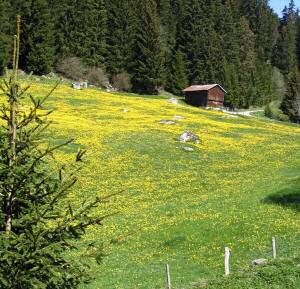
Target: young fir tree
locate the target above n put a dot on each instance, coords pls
(147, 63)
(38, 222)
(291, 102)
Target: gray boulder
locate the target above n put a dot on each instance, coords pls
(179, 117)
(167, 122)
(188, 149)
(259, 262)
(188, 136)
(174, 100)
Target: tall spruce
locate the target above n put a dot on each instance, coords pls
(89, 36)
(5, 34)
(291, 101)
(191, 32)
(263, 23)
(2, 58)
(147, 66)
(63, 12)
(121, 35)
(37, 49)
(177, 79)
(284, 56)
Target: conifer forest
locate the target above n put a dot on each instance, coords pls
(168, 44)
(242, 45)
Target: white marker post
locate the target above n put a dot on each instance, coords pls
(274, 253)
(168, 277)
(227, 261)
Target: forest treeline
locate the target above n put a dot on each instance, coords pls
(168, 44)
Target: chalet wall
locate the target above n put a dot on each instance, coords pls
(216, 94)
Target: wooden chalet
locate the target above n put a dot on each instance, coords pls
(210, 95)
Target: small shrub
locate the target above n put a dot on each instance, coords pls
(280, 115)
(97, 76)
(268, 111)
(122, 82)
(72, 67)
(273, 111)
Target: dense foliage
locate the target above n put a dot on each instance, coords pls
(163, 43)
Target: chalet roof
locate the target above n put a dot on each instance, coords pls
(205, 87)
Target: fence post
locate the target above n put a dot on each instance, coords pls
(227, 261)
(274, 253)
(168, 277)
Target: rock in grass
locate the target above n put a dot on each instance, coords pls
(188, 136)
(185, 148)
(167, 121)
(76, 85)
(174, 100)
(259, 262)
(178, 117)
(188, 149)
(125, 110)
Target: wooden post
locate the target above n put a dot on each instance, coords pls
(168, 277)
(227, 261)
(274, 247)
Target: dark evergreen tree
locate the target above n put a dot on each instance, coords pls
(291, 102)
(121, 35)
(63, 11)
(89, 37)
(147, 63)
(298, 38)
(2, 58)
(177, 79)
(192, 39)
(5, 34)
(284, 56)
(37, 49)
(246, 68)
(263, 23)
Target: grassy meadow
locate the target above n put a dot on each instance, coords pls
(240, 186)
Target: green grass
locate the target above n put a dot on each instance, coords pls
(279, 274)
(238, 188)
(259, 114)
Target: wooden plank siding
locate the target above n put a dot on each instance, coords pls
(215, 97)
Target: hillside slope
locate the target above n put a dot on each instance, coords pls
(279, 274)
(238, 188)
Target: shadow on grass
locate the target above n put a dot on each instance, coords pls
(288, 197)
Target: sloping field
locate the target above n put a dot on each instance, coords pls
(238, 188)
